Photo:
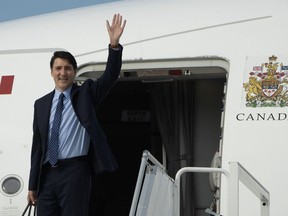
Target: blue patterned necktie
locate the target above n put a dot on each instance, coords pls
(54, 139)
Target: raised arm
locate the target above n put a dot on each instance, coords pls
(115, 30)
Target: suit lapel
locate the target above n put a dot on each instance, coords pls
(44, 110)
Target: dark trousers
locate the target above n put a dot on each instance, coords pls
(65, 190)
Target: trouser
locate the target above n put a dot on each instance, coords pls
(65, 190)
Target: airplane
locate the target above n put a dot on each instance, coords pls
(203, 83)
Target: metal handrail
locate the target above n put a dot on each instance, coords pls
(176, 206)
(236, 173)
(239, 174)
(146, 156)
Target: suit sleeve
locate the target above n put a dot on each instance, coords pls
(35, 154)
(113, 67)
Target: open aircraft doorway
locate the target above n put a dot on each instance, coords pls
(171, 107)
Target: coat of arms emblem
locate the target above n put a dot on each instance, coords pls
(267, 85)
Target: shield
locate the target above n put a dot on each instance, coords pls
(269, 88)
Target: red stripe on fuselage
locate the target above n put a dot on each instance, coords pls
(6, 84)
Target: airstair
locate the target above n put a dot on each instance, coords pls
(157, 194)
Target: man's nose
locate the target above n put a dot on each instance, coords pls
(63, 71)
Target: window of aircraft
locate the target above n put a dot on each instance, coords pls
(11, 185)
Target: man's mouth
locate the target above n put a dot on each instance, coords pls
(62, 79)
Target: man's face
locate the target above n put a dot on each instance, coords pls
(63, 74)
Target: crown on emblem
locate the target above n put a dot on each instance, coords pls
(272, 58)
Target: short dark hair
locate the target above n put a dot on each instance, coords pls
(64, 55)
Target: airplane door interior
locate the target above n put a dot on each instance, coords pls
(139, 114)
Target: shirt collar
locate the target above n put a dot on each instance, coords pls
(66, 92)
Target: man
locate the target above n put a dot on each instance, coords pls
(68, 143)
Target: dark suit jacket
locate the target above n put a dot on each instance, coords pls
(85, 99)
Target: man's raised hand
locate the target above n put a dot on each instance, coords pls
(115, 30)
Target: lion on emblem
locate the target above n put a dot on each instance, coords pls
(253, 88)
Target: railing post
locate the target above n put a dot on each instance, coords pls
(233, 191)
(265, 210)
(239, 173)
(138, 184)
